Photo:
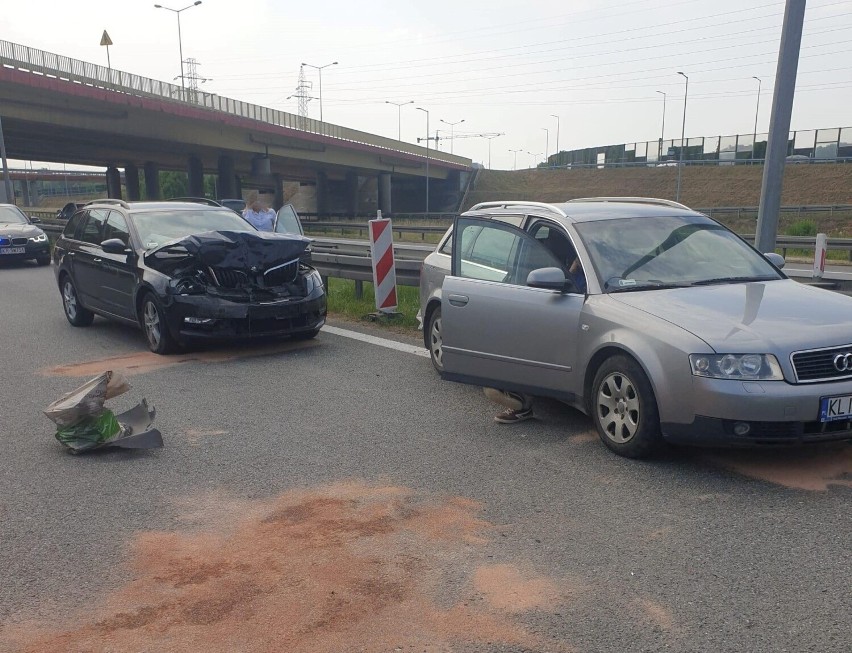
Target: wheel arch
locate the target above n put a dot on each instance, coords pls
(433, 303)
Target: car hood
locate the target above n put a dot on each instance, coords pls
(757, 317)
(236, 250)
(17, 230)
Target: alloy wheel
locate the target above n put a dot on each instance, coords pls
(69, 298)
(151, 319)
(618, 407)
(435, 342)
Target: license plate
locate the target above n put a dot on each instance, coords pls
(13, 250)
(832, 409)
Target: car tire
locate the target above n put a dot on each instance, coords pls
(154, 326)
(624, 408)
(45, 260)
(434, 339)
(75, 313)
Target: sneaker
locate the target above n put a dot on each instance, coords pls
(510, 416)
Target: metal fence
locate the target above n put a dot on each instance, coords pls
(818, 145)
(49, 64)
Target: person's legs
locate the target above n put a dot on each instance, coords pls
(518, 405)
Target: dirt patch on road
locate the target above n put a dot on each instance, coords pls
(346, 568)
(146, 361)
(814, 469)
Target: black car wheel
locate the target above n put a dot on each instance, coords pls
(624, 408)
(74, 311)
(43, 260)
(435, 339)
(154, 325)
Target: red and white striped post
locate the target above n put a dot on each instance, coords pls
(384, 271)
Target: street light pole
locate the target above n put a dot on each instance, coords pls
(553, 115)
(756, 113)
(546, 142)
(452, 130)
(663, 128)
(489, 139)
(534, 156)
(515, 164)
(682, 135)
(427, 155)
(180, 40)
(399, 106)
(319, 68)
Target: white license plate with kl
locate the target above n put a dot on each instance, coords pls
(13, 250)
(832, 409)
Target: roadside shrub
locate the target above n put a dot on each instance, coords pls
(802, 228)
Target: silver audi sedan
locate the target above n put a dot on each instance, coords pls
(657, 321)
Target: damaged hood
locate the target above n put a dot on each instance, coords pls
(236, 250)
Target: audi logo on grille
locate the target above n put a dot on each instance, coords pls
(843, 362)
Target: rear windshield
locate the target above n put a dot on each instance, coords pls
(158, 227)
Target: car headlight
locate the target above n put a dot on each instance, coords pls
(38, 239)
(313, 281)
(743, 367)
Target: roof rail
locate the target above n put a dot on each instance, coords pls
(517, 203)
(109, 200)
(195, 200)
(635, 200)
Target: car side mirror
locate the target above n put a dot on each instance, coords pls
(115, 246)
(548, 279)
(776, 259)
(35, 220)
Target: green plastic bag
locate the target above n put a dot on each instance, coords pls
(90, 432)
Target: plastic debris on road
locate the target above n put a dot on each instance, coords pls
(83, 424)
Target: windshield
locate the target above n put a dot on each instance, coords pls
(642, 253)
(11, 215)
(158, 227)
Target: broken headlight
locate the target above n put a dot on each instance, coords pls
(313, 281)
(189, 286)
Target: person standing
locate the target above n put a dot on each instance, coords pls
(260, 217)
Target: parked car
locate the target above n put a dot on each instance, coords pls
(20, 238)
(68, 210)
(236, 205)
(183, 271)
(685, 333)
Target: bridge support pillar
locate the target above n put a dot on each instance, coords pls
(195, 177)
(322, 194)
(152, 181)
(227, 181)
(238, 186)
(278, 200)
(385, 193)
(113, 179)
(131, 182)
(351, 194)
(29, 193)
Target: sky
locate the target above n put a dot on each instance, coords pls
(504, 67)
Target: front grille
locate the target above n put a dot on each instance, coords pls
(281, 274)
(227, 278)
(818, 365)
(19, 241)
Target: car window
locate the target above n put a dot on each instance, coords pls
(73, 225)
(287, 221)
(116, 227)
(93, 228)
(447, 247)
(496, 252)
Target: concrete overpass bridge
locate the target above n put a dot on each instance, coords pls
(64, 110)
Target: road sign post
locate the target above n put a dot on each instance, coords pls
(384, 270)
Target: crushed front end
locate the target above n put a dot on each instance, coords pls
(227, 284)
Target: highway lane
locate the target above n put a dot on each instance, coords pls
(341, 487)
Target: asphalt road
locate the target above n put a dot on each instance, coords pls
(338, 496)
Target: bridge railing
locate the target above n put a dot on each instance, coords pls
(49, 64)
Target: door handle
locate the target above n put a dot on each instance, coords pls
(97, 260)
(458, 300)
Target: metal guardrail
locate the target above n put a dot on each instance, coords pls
(48, 64)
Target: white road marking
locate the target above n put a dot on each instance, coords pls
(373, 340)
